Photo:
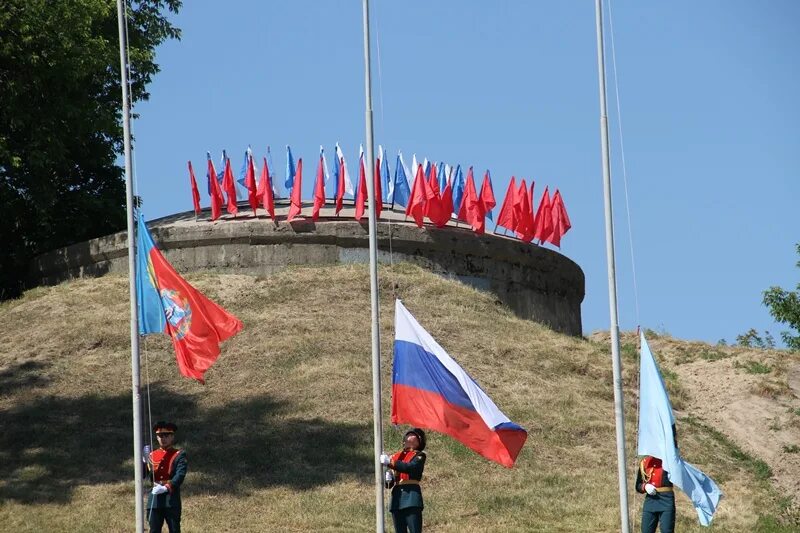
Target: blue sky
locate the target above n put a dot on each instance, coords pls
(709, 109)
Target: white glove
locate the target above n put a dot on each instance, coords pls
(388, 477)
(385, 459)
(159, 489)
(146, 453)
(650, 489)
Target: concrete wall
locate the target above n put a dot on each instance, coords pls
(536, 282)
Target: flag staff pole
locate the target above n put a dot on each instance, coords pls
(373, 284)
(135, 373)
(612, 279)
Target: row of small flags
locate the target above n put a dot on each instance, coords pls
(439, 192)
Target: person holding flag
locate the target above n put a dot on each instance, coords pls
(663, 466)
(659, 501)
(403, 476)
(167, 467)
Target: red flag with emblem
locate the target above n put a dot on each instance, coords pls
(196, 324)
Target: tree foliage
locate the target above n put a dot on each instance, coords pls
(61, 120)
(784, 306)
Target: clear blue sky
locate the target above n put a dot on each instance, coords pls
(710, 113)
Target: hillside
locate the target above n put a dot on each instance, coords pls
(279, 439)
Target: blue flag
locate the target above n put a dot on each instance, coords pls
(402, 192)
(290, 170)
(442, 177)
(151, 313)
(458, 189)
(387, 185)
(657, 439)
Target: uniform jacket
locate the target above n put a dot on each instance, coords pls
(167, 467)
(407, 467)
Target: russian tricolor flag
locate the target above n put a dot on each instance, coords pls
(431, 390)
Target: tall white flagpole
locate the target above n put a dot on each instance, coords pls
(373, 284)
(619, 405)
(135, 377)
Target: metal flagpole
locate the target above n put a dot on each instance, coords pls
(135, 377)
(373, 285)
(612, 280)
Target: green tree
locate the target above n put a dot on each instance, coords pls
(784, 306)
(61, 120)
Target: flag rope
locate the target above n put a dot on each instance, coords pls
(622, 157)
(634, 456)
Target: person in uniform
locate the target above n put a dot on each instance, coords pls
(659, 501)
(167, 468)
(403, 477)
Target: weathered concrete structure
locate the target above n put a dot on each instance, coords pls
(536, 282)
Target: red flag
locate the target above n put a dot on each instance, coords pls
(544, 218)
(196, 324)
(264, 191)
(506, 216)
(524, 229)
(376, 178)
(361, 193)
(250, 183)
(434, 209)
(447, 202)
(419, 197)
(561, 223)
(230, 188)
(319, 191)
(195, 192)
(216, 192)
(297, 193)
(340, 184)
(471, 209)
(487, 193)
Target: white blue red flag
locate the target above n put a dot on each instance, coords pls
(431, 390)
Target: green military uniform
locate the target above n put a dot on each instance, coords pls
(167, 467)
(660, 507)
(406, 500)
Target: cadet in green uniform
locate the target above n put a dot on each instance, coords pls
(403, 477)
(659, 501)
(167, 467)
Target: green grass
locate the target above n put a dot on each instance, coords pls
(753, 367)
(280, 437)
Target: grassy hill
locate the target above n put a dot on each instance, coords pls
(280, 437)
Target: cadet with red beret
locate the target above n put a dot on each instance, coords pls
(167, 467)
(403, 477)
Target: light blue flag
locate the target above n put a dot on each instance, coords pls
(441, 177)
(458, 189)
(290, 170)
(656, 438)
(401, 189)
(150, 311)
(387, 185)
